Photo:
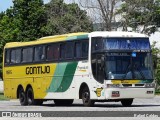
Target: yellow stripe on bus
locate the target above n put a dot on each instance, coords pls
(125, 81)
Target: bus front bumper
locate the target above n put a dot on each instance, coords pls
(121, 93)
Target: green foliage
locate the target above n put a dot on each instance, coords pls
(22, 22)
(30, 19)
(145, 13)
(66, 18)
(156, 59)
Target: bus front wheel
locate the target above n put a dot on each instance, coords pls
(22, 97)
(127, 102)
(86, 98)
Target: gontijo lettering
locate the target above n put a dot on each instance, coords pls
(38, 70)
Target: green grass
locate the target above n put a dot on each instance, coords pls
(2, 97)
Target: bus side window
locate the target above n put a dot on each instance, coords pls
(62, 51)
(78, 50)
(69, 50)
(13, 56)
(16, 56)
(7, 56)
(39, 53)
(85, 46)
(27, 54)
(53, 52)
(56, 51)
(50, 52)
(97, 44)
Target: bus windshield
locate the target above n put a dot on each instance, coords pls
(129, 65)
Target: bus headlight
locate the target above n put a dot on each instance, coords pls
(150, 85)
(113, 85)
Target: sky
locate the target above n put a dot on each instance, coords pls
(4, 4)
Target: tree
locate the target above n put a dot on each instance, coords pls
(66, 18)
(29, 17)
(141, 15)
(24, 21)
(102, 11)
(156, 61)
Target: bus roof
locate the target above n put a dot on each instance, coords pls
(74, 36)
(49, 39)
(115, 34)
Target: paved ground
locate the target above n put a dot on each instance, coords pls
(138, 105)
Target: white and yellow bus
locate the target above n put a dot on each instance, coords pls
(94, 67)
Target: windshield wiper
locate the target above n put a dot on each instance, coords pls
(139, 70)
(132, 70)
(128, 69)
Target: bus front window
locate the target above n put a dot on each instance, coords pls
(128, 66)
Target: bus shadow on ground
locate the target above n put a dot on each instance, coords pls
(102, 105)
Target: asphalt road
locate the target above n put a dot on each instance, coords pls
(49, 106)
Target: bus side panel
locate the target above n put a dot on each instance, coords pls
(22, 75)
(7, 88)
(63, 83)
(40, 86)
(41, 82)
(63, 77)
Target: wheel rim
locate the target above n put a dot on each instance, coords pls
(86, 97)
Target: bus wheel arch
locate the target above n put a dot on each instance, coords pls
(83, 85)
(28, 86)
(21, 94)
(84, 94)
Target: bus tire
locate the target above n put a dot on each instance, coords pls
(66, 102)
(22, 97)
(86, 98)
(30, 96)
(127, 102)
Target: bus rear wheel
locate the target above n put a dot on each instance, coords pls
(66, 102)
(22, 97)
(127, 102)
(86, 98)
(30, 96)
